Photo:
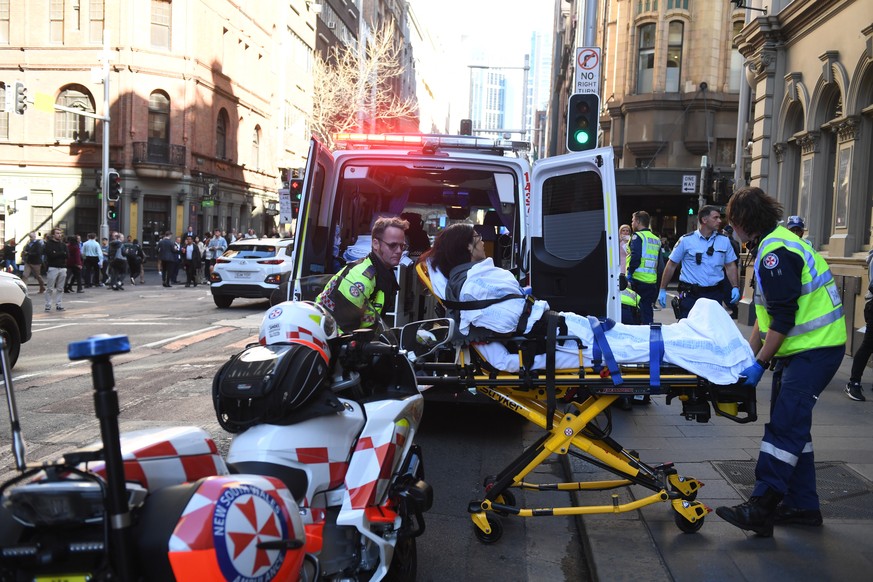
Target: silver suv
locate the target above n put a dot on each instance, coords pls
(251, 268)
(16, 314)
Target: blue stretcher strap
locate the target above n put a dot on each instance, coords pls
(656, 354)
(601, 345)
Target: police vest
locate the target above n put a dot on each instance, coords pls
(630, 298)
(819, 320)
(647, 272)
(353, 297)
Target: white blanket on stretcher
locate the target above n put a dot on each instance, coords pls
(706, 343)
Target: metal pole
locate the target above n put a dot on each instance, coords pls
(104, 220)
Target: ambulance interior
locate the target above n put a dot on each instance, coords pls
(430, 198)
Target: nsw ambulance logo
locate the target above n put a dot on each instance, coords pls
(244, 518)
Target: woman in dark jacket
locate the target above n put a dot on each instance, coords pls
(74, 266)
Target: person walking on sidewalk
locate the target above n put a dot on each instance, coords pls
(56, 276)
(91, 257)
(74, 266)
(642, 264)
(33, 256)
(862, 356)
(707, 258)
(801, 329)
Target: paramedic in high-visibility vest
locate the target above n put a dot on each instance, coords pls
(801, 333)
(359, 293)
(707, 259)
(642, 264)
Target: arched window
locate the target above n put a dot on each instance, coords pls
(674, 56)
(646, 68)
(69, 126)
(159, 127)
(221, 134)
(256, 148)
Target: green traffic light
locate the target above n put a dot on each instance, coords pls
(581, 137)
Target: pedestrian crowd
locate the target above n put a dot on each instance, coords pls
(68, 265)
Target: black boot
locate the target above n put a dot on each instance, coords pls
(757, 514)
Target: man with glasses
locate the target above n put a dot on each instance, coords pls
(56, 276)
(706, 258)
(358, 294)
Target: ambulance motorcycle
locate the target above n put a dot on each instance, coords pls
(161, 504)
(334, 418)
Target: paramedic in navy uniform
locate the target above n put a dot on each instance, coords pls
(706, 258)
(801, 329)
(642, 264)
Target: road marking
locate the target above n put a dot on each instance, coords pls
(53, 327)
(193, 339)
(242, 344)
(178, 337)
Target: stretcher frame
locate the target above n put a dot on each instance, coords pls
(585, 394)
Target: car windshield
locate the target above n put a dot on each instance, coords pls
(249, 251)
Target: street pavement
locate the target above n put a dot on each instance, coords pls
(647, 545)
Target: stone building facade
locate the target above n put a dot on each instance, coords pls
(207, 102)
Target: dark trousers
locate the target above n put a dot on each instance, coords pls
(91, 271)
(648, 293)
(687, 299)
(74, 277)
(786, 463)
(167, 272)
(862, 355)
(190, 273)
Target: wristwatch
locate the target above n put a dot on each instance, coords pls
(762, 363)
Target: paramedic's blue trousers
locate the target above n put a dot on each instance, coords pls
(786, 462)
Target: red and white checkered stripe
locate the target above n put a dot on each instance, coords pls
(372, 464)
(306, 337)
(156, 458)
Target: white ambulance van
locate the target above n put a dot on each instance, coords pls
(554, 225)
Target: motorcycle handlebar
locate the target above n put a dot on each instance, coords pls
(378, 349)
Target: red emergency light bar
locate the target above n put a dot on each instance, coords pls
(436, 141)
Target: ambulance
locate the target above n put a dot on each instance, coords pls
(553, 224)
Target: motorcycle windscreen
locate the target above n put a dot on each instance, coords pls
(570, 258)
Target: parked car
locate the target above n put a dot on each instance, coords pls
(16, 313)
(251, 268)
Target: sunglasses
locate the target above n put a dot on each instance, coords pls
(393, 247)
(698, 258)
(476, 237)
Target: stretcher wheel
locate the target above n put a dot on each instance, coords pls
(683, 524)
(690, 497)
(506, 498)
(496, 531)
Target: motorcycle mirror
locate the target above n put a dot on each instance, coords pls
(421, 338)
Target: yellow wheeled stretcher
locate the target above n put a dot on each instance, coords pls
(583, 394)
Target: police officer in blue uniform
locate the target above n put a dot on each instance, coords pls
(801, 333)
(706, 258)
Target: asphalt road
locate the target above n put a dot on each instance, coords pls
(179, 339)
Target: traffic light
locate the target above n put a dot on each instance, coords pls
(19, 92)
(708, 188)
(112, 213)
(295, 186)
(466, 127)
(114, 186)
(583, 118)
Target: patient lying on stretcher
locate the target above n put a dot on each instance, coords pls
(706, 343)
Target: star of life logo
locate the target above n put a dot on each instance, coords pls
(275, 313)
(244, 517)
(770, 261)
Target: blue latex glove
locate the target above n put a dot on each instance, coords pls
(662, 298)
(735, 295)
(752, 374)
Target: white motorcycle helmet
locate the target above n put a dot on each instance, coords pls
(300, 322)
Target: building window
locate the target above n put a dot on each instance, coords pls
(4, 117)
(221, 134)
(735, 75)
(4, 21)
(159, 127)
(95, 21)
(674, 56)
(646, 68)
(256, 148)
(56, 22)
(677, 4)
(72, 127)
(161, 12)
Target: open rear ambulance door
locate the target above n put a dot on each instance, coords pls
(313, 239)
(573, 236)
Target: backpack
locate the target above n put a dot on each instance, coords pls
(128, 250)
(276, 384)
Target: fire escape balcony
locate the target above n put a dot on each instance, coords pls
(159, 160)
